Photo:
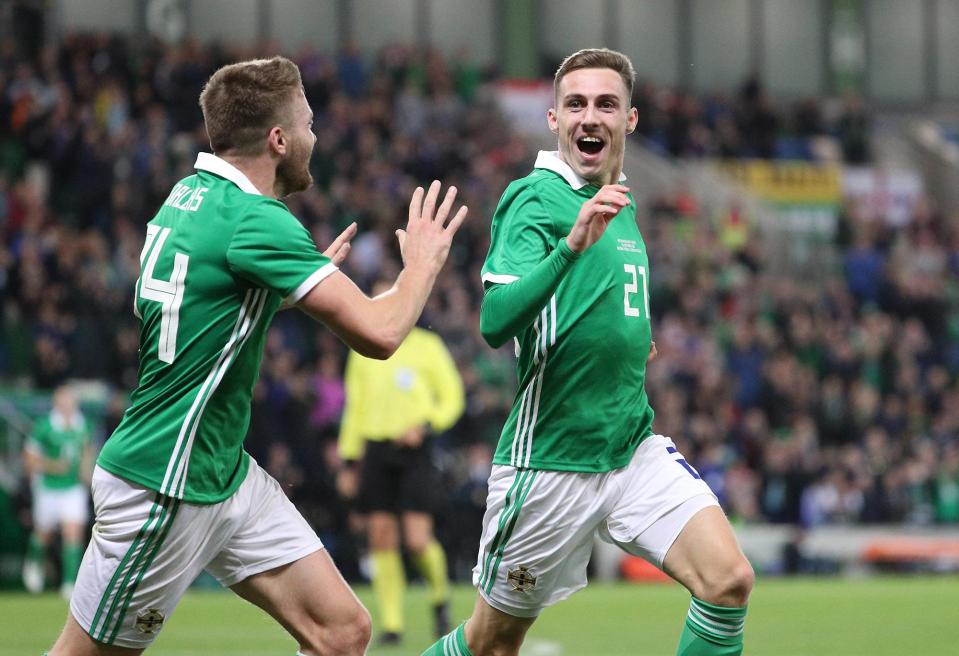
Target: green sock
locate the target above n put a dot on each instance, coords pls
(453, 643)
(70, 559)
(35, 550)
(389, 583)
(712, 630)
(432, 565)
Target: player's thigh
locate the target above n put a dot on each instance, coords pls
(145, 551)
(707, 560)
(537, 537)
(661, 494)
(46, 510)
(304, 596)
(383, 530)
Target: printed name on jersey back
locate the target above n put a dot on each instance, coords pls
(185, 198)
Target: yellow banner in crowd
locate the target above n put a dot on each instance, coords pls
(788, 182)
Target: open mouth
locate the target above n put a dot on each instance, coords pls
(590, 145)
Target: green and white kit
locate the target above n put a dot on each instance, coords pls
(577, 457)
(174, 492)
(218, 260)
(60, 497)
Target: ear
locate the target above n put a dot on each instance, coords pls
(551, 121)
(277, 140)
(632, 118)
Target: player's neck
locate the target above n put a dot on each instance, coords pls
(259, 170)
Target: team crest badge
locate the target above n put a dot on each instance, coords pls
(149, 621)
(521, 579)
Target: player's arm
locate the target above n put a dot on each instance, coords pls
(375, 327)
(509, 308)
(336, 252)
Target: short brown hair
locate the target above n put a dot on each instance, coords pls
(241, 102)
(597, 58)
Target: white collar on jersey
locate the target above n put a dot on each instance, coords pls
(222, 168)
(550, 160)
(60, 422)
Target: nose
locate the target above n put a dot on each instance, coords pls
(589, 116)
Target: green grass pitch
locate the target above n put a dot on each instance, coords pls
(799, 617)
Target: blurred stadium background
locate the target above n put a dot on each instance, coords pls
(797, 170)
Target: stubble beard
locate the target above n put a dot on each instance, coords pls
(293, 173)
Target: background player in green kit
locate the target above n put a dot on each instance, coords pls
(58, 457)
(567, 277)
(174, 493)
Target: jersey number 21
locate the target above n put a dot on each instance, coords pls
(632, 287)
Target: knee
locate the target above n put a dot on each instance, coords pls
(416, 544)
(347, 637)
(732, 586)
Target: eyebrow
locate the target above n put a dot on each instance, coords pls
(603, 96)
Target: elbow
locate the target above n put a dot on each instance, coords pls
(495, 338)
(380, 346)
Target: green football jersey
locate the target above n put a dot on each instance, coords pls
(60, 438)
(581, 404)
(218, 260)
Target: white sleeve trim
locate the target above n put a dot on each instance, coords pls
(315, 279)
(499, 278)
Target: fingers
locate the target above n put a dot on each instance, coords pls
(340, 255)
(444, 209)
(429, 205)
(457, 220)
(341, 239)
(401, 237)
(416, 204)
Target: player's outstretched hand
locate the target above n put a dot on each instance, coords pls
(340, 247)
(595, 214)
(426, 240)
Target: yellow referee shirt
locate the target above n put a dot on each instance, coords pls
(418, 385)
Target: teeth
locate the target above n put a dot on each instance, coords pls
(592, 139)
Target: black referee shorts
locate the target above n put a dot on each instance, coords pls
(395, 478)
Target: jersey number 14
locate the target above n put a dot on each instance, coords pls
(169, 293)
(632, 287)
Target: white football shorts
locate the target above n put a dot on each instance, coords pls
(539, 525)
(52, 507)
(146, 550)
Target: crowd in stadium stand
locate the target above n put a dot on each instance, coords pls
(798, 403)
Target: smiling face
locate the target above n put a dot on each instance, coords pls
(592, 117)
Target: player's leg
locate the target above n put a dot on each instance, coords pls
(145, 551)
(389, 579)
(274, 559)
(33, 562)
(46, 516)
(417, 493)
(670, 517)
(430, 559)
(537, 538)
(72, 534)
(707, 560)
(74, 641)
(488, 632)
(310, 599)
(73, 529)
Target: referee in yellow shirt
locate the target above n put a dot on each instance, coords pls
(392, 406)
